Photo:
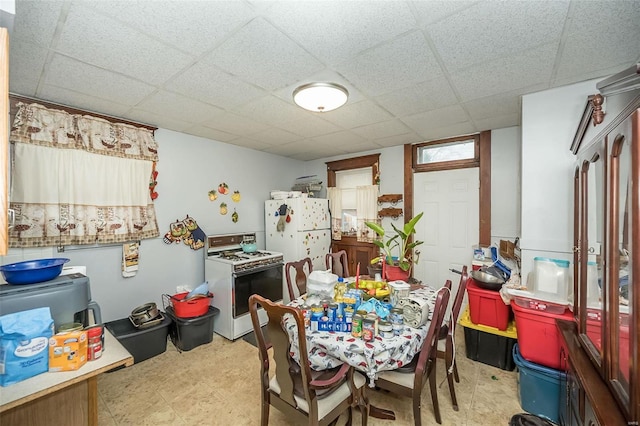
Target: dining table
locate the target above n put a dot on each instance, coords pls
(329, 349)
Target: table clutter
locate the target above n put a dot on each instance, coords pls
(358, 324)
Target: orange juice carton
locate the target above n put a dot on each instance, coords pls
(68, 351)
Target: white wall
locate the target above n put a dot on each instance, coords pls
(189, 167)
(549, 121)
(505, 184)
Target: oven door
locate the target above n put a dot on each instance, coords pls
(265, 281)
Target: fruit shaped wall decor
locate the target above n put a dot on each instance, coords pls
(153, 182)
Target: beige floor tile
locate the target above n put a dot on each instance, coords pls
(218, 384)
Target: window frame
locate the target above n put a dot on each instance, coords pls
(447, 165)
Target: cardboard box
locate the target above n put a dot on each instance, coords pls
(68, 351)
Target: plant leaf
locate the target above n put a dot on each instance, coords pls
(377, 228)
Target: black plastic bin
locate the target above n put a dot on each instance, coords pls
(188, 333)
(142, 343)
(489, 345)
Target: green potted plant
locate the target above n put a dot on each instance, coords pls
(396, 266)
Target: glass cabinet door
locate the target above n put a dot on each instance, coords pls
(620, 259)
(590, 276)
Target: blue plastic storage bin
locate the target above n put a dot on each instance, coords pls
(538, 387)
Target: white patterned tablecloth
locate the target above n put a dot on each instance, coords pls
(329, 349)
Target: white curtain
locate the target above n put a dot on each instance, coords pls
(79, 180)
(335, 204)
(367, 210)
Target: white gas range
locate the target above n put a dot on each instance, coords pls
(234, 275)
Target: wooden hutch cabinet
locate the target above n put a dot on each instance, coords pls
(357, 252)
(601, 347)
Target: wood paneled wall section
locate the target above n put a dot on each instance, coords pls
(485, 188)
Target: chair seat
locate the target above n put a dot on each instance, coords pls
(404, 379)
(329, 400)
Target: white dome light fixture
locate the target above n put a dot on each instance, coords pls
(320, 97)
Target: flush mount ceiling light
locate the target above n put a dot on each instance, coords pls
(320, 97)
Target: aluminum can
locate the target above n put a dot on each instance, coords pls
(94, 342)
(386, 329)
(368, 329)
(356, 325)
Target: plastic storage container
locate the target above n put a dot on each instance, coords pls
(538, 337)
(538, 387)
(551, 279)
(540, 305)
(187, 308)
(142, 343)
(489, 345)
(487, 308)
(187, 334)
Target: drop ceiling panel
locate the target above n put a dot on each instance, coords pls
(425, 96)
(161, 121)
(337, 139)
(77, 76)
(382, 129)
(343, 30)
(493, 29)
(392, 66)
(398, 140)
(426, 121)
(311, 125)
(236, 124)
(356, 114)
(497, 122)
(442, 132)
(271, 110)
(35, 22)
(191, 26)
(207, 83)
(533, 66)
(28, 67)
(179, 107)
(259, 52)
(83, 101)
(275, 136)
(432, 11)
(490, 106)
(209, 133)
(106, 43)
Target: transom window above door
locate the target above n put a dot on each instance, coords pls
(454, 153)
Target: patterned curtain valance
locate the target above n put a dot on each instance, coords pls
(79, 180)
(38, 125)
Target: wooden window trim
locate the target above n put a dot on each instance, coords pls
(447, 165)
(372, 161)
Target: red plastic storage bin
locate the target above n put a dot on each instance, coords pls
(187, 308)
(538, 338)
(486, 307)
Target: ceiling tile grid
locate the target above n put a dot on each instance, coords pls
(226, 70)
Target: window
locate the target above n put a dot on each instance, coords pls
(347, 181)
(454, 153)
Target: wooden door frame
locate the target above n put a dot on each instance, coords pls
(484, 172)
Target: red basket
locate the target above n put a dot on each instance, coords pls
(188, 308)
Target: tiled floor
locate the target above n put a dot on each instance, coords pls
(217, 384)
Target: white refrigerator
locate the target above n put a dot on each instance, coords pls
(299, 228)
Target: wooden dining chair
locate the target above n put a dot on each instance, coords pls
(337, 263)
(410, 381)
(305, 396)
(297, 284)
(446, 345)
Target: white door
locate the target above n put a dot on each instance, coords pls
(449, 228)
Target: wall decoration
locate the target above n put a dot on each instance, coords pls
(234, 216)
(186, 231)
(236, 196)
(213, 195)
(223, 209)
(223, 188)
(153, 182)
(130, 253)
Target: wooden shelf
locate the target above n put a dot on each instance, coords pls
(389, 198)
(390, 212)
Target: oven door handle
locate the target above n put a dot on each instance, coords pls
(258, 269)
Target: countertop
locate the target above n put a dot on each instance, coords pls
(114, 355)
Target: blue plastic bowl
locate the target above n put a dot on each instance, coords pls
(33, 271)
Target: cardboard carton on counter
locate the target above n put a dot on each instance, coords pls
(68, 351)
